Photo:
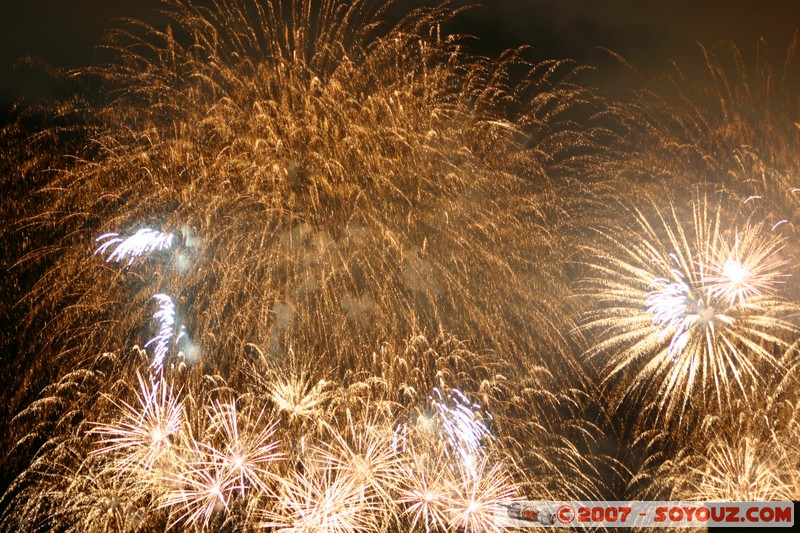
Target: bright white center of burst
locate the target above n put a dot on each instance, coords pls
(735, 271)
(469, 462)
(238, 461)
(157, 436)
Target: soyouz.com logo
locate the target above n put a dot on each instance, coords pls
(644, 514)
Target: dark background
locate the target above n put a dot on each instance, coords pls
(647, 33)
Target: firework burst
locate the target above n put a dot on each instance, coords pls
(146, 433)
(689, 312)
(424, 492)
(751, 266)
(321, 501)
(243, 448)
(198, 487)
(478, 494)
(366, 453)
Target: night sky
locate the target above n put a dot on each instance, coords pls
(647, 33)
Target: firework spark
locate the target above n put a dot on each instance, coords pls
(142, 242)
(166, 331)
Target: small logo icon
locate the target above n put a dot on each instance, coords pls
(566, 514)
(528, 513)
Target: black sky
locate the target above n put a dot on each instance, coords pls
(648, 33)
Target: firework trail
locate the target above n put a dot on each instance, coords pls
(338, 195)
(166, 331)
(746, 454)
(142, 242)
(455, 421)
(330, 193)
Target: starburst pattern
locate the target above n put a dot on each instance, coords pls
(145, 433)
(669, 321)
(244, 445)
(425, 493)
(750, 266)
(198, 488)
(478, 494)
(326, 501)
(369, 458)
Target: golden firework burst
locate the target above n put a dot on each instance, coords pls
(688, 308)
